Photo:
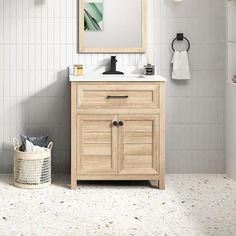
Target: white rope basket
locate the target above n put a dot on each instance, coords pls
(32, 170)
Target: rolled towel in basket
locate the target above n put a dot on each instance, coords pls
(39, 141)
(30, 147)
(32, 169)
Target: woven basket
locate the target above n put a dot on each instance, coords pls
(32, 170)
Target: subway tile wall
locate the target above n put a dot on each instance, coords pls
(38, 40)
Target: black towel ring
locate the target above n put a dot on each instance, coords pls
(180, 37)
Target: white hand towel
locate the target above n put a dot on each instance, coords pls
(180, 68)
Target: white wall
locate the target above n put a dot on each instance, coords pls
(231, 94)
(38, 42)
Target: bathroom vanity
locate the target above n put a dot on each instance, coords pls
(117, 128)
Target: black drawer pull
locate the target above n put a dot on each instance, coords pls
(117, 97)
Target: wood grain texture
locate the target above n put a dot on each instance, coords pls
(111, 111)
(97, 144)
(135, 150)
(97, 138)
(118, 177)
(141, 158)
(100, 96)
(137, 138)
(96, 149)
(103, 161)
(100, 126)
(141, 95)
(138, 126)
(73, 138)
(131, 162)
(162, 137)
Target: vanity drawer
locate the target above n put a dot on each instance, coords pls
(101, 95)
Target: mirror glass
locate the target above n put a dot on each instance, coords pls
(112, 26)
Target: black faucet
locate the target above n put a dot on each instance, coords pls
(113, 70)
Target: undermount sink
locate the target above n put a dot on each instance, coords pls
(137, 76)
(124, 78)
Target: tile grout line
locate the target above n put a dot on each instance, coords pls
(4, 78)
(41, 54)
(47, 52)
(35, 55)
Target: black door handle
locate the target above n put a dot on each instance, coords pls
(121, 123)
(115, 123)
(117, 97)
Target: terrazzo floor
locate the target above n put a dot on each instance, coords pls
(191, 205)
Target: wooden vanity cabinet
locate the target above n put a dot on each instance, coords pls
(117, 131)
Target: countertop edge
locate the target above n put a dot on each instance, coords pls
(94, 78)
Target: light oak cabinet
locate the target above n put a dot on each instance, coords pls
(117, 131)
(138, 145)
(97, 144)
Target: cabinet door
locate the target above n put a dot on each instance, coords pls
(139, 144)
(97, 144)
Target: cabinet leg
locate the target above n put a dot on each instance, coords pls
(161, 184)
(73, 184)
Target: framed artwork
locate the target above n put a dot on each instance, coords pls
(112, 26)
(93, 15)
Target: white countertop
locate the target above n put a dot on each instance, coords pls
(118, 78)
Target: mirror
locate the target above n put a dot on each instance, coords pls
(112, 26)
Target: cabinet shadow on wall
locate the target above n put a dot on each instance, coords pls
(43, 112)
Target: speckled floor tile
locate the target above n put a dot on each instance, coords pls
(191, 205)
